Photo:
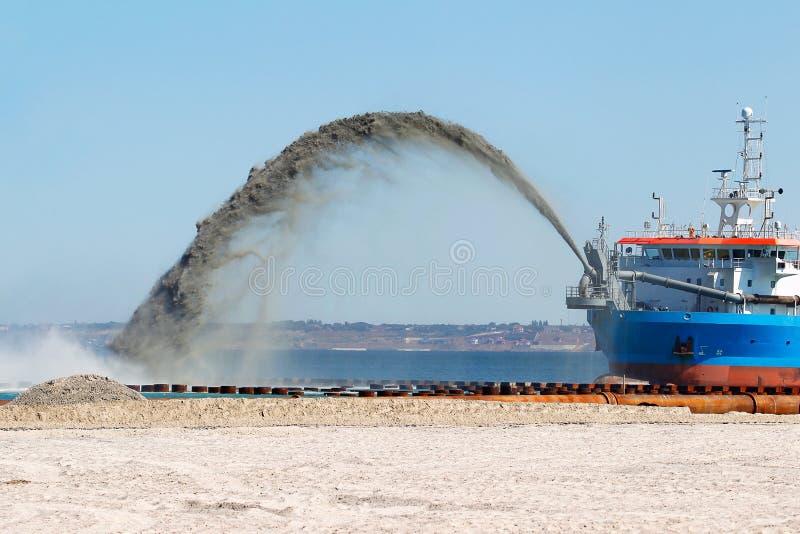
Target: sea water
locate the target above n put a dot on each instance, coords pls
(314, 366)
(308, 367)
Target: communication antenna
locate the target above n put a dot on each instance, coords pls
(763, 130)
(706, 194)
(660, 217)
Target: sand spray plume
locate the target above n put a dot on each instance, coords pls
(56, 353)
(170, 321)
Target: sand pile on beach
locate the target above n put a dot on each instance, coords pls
(76, 389)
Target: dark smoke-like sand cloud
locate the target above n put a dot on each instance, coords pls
(164, 325)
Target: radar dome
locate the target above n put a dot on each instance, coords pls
(747, 112)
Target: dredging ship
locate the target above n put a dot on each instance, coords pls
(702, 306)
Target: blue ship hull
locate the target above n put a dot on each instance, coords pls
(700, 348)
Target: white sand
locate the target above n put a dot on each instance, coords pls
(671, 476)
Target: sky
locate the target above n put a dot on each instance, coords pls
(122, 124)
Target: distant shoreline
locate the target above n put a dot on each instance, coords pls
(536, 336)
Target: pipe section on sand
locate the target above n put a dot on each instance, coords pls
(701, 404)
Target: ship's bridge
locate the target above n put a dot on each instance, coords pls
(722, 252)
(763, 266)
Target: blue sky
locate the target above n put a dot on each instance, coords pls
(123, 124)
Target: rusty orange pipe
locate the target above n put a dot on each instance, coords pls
(580, 398)
(748, 403)
(695, 403)
(703, 404)
(776, 404)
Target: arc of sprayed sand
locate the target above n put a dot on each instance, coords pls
(164, 323)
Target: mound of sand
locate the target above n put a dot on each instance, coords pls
(77, 389)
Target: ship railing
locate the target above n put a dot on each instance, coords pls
(794, 263)
(631, 262)
(617, 295)
(599, 292)
(724, 193)
(628, 262)
(723, 263)
(601, 245)
(607, 292)
(666, 230)
(687, 232)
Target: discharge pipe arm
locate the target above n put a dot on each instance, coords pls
(725, 296)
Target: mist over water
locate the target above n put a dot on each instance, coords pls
(34, 359)
(315, 182)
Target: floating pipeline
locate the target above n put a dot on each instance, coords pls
(699, 399)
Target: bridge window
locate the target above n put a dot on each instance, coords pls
(754, 252)
(694, 253)
(708, 254)
(652, 253)
(681, 253)
(738, 254)
(666, 253)
(723, 254)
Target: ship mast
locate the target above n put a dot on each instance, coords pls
(738, 203)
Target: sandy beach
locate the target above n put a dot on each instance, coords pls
(394, 465)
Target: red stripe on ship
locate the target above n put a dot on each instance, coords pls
(709, 375)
